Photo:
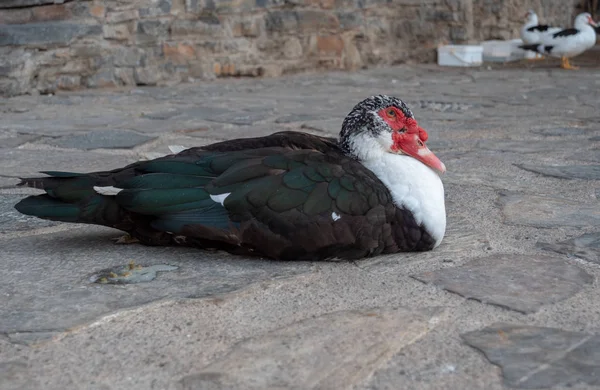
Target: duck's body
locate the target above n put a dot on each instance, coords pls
(569, 42)
(288, 196)
(532, 31)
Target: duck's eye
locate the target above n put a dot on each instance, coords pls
(391, 113)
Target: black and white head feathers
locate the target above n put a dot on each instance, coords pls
(363, 118)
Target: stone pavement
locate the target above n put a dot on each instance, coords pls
(509, 300)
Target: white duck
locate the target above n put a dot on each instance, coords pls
(532, 31)
(569, 42)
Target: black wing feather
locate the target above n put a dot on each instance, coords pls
(566, 32)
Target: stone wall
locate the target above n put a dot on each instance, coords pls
(49, 45)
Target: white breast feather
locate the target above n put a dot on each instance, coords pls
(413, 185)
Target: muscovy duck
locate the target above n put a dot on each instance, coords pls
(569, 42)
(289, 195)
(532, 31)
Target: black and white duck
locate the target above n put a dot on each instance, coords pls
(375, 189)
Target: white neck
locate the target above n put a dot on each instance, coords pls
(532, 21)
(413, 185)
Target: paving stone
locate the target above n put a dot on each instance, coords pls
(327, 126)
(586, 246)
(298, 118)
(562, 131)
(11, 220)
(161, 115)
(12, 139)
(25, 162)
(67, 261)
(461, 239)
(101, 139)
(480, 177)
(238, 118)
(203, 112)
(589, 172)
(592, 155)
(336, 350)
(534, 357)
(527, 146)
(545, 211)
(516, 282)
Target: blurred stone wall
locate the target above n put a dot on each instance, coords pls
(49, 45)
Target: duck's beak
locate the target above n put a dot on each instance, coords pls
(413, 144)
(591, 22)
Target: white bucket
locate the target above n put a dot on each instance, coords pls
(505, 51)
(460, 55)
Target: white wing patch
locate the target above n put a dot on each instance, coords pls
(177, 148)
(220, 198)
(108, 191)
(335, 216)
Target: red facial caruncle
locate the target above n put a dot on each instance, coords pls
(409, 138)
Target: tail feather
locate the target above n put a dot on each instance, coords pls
(69, 198)
(538, 48)
(46, 207)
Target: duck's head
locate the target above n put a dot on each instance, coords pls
(384, 124)
(531, 17)
(584, 19)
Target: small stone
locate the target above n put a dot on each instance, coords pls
(195, 28)
(179, 53)
(119, 32)
(588, 172)
(67, 82)
(121, 16)
(534, 357)
(332, 45)
(350, 19)
(149, 31)
(128, 56)
(281, 21)
(102, 79)
(51, 12)
(148, 75)
(332, 351)
(98, 11)
(45, 33)
(516, 282)
(545, 212)
(124, 76)
(586, 247)
(315, 20)
(292, 48)
(101, 139)
(16, 16)
(162, 7)
(459, 34)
